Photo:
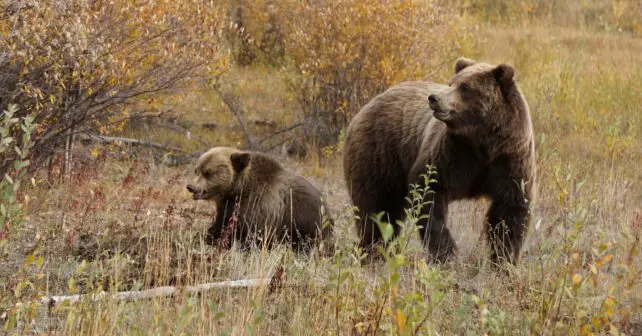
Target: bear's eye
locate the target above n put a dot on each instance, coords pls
(207, 174)
(465, 88)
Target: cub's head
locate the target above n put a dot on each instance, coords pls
(479, 94)
(216, 172)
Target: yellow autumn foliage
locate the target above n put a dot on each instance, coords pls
(344, 52)
(79, 64)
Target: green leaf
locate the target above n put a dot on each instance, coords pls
(40, 261)
(8, 114)
(399, 260)
(20, 164)
(394, 278)
(386, 230)
(12, 322)
(258, 316)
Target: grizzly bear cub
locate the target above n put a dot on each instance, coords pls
(476, 131)
(272, 204)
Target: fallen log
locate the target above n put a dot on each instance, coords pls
(53, 301)
(134, 142)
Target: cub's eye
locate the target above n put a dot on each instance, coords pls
(207, 174)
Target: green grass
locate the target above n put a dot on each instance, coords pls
(580, 269)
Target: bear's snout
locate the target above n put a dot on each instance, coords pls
(197, 192)
(192, 189)
(434, 103)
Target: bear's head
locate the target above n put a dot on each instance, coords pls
(217, 172)
(479, 96)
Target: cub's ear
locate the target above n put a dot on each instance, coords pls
(240, 161)
(504, 74)
(462, 63)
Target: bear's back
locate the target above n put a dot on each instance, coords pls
(389, 129)
(280, 200)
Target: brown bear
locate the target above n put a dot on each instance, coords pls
(274, 205)
(476, 131)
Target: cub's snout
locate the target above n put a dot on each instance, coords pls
(197, 193)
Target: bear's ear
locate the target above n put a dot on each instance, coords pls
(462, 63)
(504, 74)
(240, 161)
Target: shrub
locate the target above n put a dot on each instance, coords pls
(345, 52)
(342, 53)
(78, 65)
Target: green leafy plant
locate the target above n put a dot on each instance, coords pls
(11, 207)
(405, 293)
(13, 215)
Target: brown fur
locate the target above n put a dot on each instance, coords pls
(275, 204)
(476, 131)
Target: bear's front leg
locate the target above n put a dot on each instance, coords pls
(506, 228)
(215, 231)
(435, 234)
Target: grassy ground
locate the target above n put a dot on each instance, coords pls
(135, 225)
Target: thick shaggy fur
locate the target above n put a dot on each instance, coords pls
(476, 131)
(275, 205)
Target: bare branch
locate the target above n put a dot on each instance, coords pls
(236, 108)
(135, 142)
(180, 129)
(283, 130)
(52, 301)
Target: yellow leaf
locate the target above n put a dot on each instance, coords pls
(604, 260)
(400, 319)
(30, 259)
(577, 279)
(604, 246)
(597, 322)
(95, 152)
(609, 301)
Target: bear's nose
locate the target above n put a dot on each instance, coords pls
(191, 189)
(432, 99)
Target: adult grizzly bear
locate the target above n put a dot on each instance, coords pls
(476, 131)
(274, 205)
